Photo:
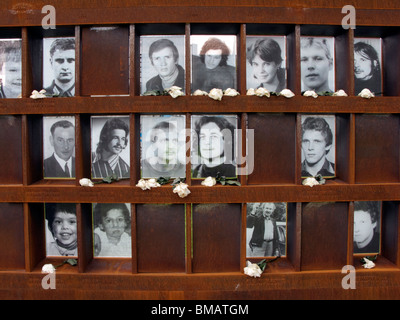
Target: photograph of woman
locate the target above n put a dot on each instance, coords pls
(367, 65)
(266, 62)
(213, 138)
(213, 62)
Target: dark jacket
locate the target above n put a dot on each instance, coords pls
(52, 168)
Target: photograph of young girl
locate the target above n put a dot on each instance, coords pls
(266, 62)
(112, 230)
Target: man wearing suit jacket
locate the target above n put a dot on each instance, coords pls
(62, 162)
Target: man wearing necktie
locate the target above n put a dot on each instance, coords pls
(61, 164)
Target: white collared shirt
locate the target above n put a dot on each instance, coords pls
(62, 163)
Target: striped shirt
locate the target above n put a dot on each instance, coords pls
(102, 169)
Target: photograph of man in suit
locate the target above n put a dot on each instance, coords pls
(61, 164)
(62, 61)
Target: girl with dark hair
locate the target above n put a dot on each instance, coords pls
(367, 69)
(265, 57)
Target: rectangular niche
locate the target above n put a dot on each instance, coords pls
(324, 235)
(216, 237)
(161, 237)
(377, 148)
(105, 60)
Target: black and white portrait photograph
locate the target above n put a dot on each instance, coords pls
(318, 146)
(10, 68)
(367, 226)
(110, 146)
(59, 147)
(214, 145)
(162, 62)
(317, 56)
(61, 229)
(59, 66)
(112, 230)
(213, 62)
(266, 62)
(266, 229)
(163, 141)
(367, 65)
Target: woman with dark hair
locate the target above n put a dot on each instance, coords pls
(113, 140)
(216, 147)
(265, 57)
(211, 70)
(367, 69)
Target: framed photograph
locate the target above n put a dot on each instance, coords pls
(317, 56)
(162, 62)
(266, 62)
(214, 142)
(112, 230)
(367, 226)
(368, 65)
(59, 147)
(61, 229)
(10, 68)
(110, 146)
(213, 62)
(266, 229)
(59, 66)
(318, 146)
(163, 146)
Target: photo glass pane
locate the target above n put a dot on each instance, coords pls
(368, 65)
(61, 229)
(214, 145)
(59, 66)
(59, 147)
(10, 68)
(266, 229)
(318, 146)
(266, 62)
(213, 62)
(318, 64)
(110, 146)
(112, 230)
(163, 142)
(162, 61)
(367, 226)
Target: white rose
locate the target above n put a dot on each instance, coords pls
(261, 92)
(251, 92)
(181, 189)
(216, 94)
(310, 93)
(38, 95)
(310, 182)
(368, 264)
(365, 93)
(152, 183)
(142, 184)
(231, 92)
(286, 93)
(209, 182)
(175, 92)
(199, 92)
(48, 268)
(340, 93)
(252, 270)
(85, 182)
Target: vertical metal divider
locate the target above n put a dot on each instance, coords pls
(27, 239)
(188, 207)
(350, 230)
(297, 252)
(134, 258)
